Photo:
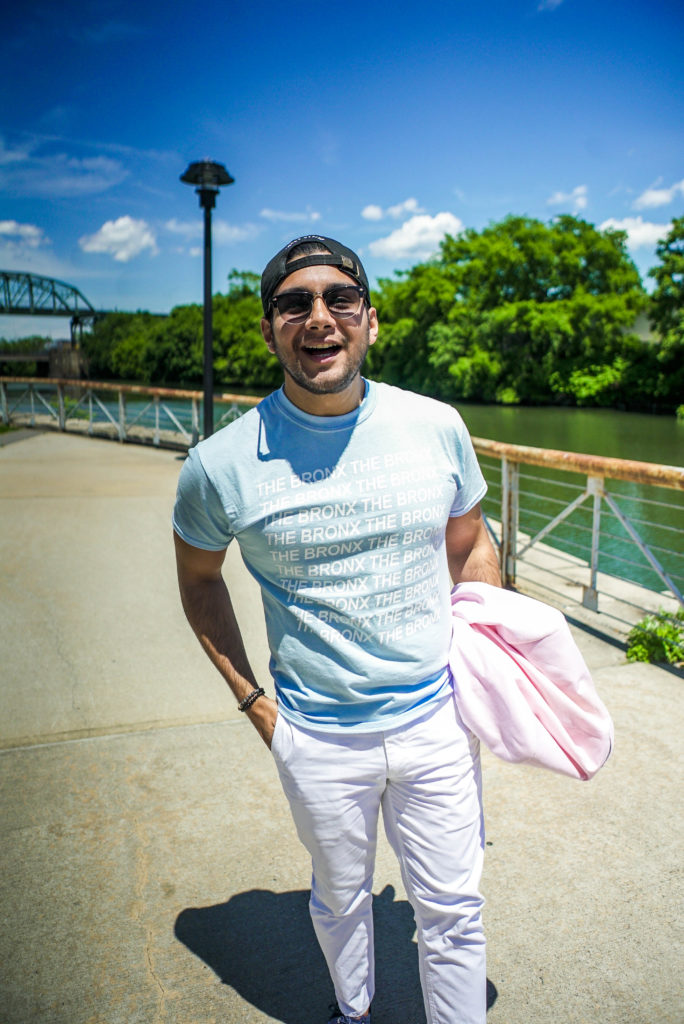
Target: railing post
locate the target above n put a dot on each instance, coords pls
(195, 421)
(32, 421)
(5, 406)
(156, 438)
(60, 407)
(122, 415)
(90, 412)
(590, 593)
(509, 519)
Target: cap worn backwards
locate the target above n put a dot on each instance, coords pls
(338, 255)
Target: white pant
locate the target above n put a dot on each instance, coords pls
(426, 777)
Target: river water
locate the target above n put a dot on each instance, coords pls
(620, 435)
(656, 513)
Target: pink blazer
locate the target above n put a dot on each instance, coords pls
(521, 684)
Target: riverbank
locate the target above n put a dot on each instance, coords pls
(152, 874)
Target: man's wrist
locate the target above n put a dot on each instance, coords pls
(251, 697)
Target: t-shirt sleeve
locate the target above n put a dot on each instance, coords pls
(199, 518)
(471, 485)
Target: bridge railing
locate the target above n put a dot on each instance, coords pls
(125, 412)
(569, 526)
(585, 525)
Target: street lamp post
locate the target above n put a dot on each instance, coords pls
(208, 177)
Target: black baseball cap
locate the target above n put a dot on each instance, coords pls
(338, 255)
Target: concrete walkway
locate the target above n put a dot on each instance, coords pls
(150, 869)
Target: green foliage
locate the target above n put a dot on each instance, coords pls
(110, 350)
(72, 409)
(169, 350)
(658, 637)
(667, 301)
(519, 312)
(173, 353)
(34, 343)
(240, 354)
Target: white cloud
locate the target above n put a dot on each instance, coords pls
(11, 156)
(225, 233)
(18, 255)
(123, 239)
(417, 238)
(282, 215)
(408, 206)
(639, 232)
(549, 5)
(187, 228)
(22, 173)
(222, 232)
(654, 196)
(22, 234)
(25, 247)
(577, 198)
(374, 212)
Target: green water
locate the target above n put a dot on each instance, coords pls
(621, 435)
(657, 513)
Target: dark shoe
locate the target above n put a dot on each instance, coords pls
(341, 1018)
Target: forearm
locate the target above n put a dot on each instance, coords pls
(470, 552)
(210, 612)
(480, 566)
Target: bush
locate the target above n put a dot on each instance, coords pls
(658, 637)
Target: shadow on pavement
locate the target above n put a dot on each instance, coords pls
(262, 944)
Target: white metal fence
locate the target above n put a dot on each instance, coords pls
(584, 531)
(603, 534)
(125, 412)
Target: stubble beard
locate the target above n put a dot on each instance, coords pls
(318, 385)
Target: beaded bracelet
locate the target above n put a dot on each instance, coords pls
(250, 698)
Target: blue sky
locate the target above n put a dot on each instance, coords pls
(384, 125)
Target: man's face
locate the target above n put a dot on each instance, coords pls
(322, 356)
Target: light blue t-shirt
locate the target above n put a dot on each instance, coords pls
(341, 520)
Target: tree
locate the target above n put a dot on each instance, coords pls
(667, 301)
(169, 350)
(23, 346)
(527, 304)
(173, 353)
(241, 356)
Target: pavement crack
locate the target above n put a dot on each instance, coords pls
(139, 911)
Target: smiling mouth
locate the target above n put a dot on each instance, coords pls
(321, 351)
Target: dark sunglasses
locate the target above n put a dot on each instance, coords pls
(341, 300)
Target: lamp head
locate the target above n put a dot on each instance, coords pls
(207, 174)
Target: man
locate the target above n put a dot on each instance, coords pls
(352, 502)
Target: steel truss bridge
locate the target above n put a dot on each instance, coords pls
(23, 294)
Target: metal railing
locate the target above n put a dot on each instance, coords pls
(584, 526)
(576, 527)
(167, 416)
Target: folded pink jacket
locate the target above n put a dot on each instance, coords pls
(521, 684)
